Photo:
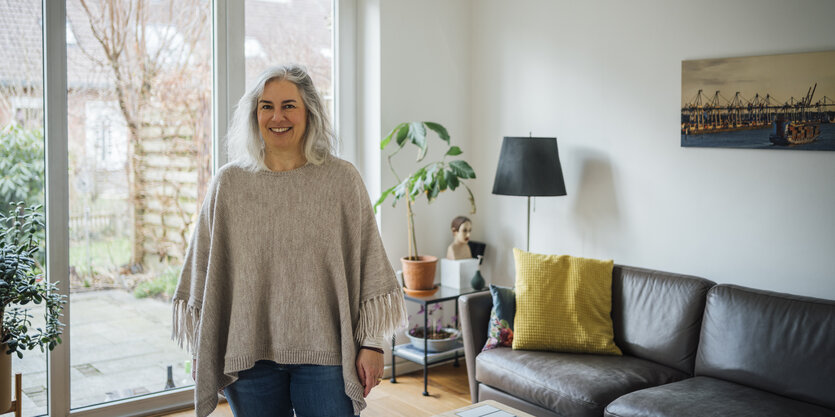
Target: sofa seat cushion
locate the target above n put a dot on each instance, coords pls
(569, 383)
(775, 342)
(706, 396)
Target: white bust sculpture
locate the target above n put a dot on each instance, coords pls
(461, 229)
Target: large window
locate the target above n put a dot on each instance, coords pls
(304, 36)
(139, 98)
(22, 150)
(139, 146)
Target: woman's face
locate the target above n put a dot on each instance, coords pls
(282, 117)
(463, 233)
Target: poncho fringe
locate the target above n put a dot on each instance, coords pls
(186, 322)
(381, 316)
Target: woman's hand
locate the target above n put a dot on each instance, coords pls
(369, 369)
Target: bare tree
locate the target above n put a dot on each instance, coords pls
(159, 60)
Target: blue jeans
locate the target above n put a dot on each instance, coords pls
(270, 389)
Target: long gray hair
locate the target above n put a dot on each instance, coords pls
(244, 142)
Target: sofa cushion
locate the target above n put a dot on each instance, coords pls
(705, 396)
(500, 329)
(779, 343)
(569, 383)
(563, 303)
(658, 315)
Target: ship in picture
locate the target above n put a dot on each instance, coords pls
(787, 133)
(778, 102)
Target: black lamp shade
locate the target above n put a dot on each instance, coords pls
(529, 167)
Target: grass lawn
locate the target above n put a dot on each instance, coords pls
(100, 255)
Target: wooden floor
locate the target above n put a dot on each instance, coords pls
(448, 390)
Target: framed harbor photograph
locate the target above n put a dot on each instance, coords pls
(760, 102)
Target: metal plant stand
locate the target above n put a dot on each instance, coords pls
(403, 351)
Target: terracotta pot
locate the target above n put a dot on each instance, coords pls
(5, 379)
(419, 274)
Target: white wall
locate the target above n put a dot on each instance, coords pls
(605, 78)
(421, 51)
(425, 70)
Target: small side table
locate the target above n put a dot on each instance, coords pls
(17, 402)
(443, 294)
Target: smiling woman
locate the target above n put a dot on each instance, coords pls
(257, 124)
(286, 312)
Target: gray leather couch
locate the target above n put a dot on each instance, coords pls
(760, 354)
(657, 319)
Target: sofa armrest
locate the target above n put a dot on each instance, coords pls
(475, 316)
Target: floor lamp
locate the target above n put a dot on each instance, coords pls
(529, 167)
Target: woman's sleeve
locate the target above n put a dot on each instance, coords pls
(188, 296)
(382, 309)
(379, 318)
(375, 342)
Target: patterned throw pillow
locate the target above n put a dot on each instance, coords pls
(500, 330)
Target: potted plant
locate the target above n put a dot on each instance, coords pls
(439, 338)
(430, 180)
(21, 283)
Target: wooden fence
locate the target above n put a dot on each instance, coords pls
(95, 223)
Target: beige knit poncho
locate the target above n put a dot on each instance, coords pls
(285, 266)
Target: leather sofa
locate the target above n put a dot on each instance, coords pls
(760, 353)
(756, 353)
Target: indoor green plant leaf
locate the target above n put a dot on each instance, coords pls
(388, 137)
(451, 179)
(462, 169)
(383, 197)
(440, 130)
(453, 151)
(417, 136)
(402, 134)
(430, 179)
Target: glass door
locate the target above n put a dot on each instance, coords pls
(304, 36)
(22, 158)
(139, 77)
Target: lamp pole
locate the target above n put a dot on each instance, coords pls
(528, 244)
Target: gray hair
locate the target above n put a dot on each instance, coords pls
(244, 142)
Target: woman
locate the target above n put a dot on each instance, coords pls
(460, 248)
(286, 296)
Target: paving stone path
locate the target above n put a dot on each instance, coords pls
(121, 347)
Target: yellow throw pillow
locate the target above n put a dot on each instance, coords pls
(563, 304)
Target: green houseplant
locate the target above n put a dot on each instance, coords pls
(21, 283)
(429, 180)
